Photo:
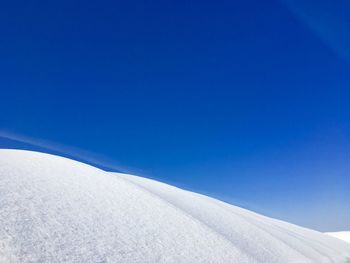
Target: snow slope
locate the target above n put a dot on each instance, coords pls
(53, 209)
(343, 235)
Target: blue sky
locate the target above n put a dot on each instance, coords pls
(247, 101)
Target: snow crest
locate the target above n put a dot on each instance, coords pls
(53, 209)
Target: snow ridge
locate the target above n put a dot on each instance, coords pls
(53, 209)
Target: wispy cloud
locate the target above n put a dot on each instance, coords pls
(328, 20)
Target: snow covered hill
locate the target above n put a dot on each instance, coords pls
(53, 209)
(343, 235)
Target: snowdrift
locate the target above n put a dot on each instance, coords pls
(53, 209)
(343, 235)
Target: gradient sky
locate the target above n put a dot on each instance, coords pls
(247, 101)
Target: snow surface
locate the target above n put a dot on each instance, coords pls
(343, 235)
(53, 209)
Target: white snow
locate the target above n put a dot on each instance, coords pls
(343, 235)
(53, 209)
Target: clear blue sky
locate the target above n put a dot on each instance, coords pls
(247, 101)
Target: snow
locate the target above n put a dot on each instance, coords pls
(54, 209)
(343, 235)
